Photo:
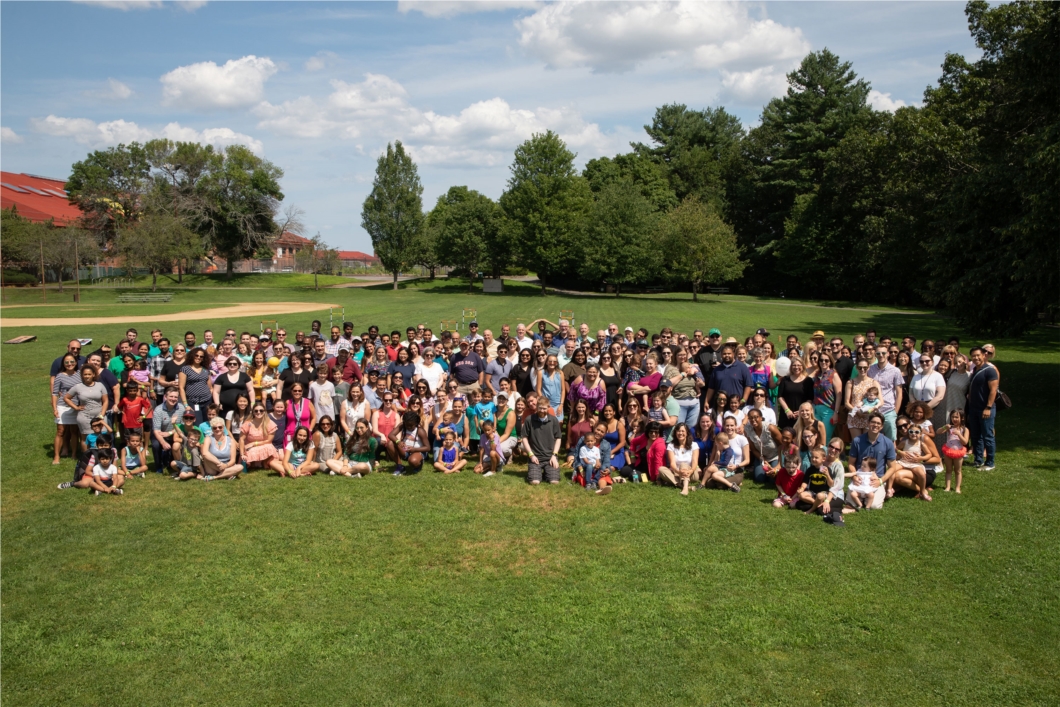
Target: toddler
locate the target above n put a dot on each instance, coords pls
(789, 482)
(862, 491)
(589, 461)
(955, 448)
(871, 401)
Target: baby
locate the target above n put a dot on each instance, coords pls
(871, 401)
(862, 491)
(140, 374)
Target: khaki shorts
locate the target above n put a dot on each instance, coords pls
(465, 389)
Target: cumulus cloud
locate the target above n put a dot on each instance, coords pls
(239, 82)
(9, 136)
(378, 110)
(884, 102)
(320, 61)
(753, 87)
(445, 8)
(126, 5)
(616, 37)
(88, 132)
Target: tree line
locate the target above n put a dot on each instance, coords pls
(951, 204)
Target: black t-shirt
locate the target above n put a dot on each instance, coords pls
(979, 389)
(844, 366)
(705, 359)
(816, 480)
(109, 380)
(795, 394)
(289, 378)
(170, 372)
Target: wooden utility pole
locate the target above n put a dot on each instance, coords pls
(43, 286)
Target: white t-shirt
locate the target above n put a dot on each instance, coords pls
(433, 374)
(524, 343)
(738, 445)
(682, 456)
(101, 472)
(737, 415)
(769, 415)
(923, 388)
(322, 396)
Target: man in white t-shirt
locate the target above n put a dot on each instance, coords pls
(521, 339)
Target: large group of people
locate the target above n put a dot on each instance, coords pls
(835, 427)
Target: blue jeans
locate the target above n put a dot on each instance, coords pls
(759, 473)
(688, 412)
(982, 435)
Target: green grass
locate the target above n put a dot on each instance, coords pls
(427, 590)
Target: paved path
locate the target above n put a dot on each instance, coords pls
(240, 310)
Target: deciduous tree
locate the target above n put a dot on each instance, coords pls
(699, 246)
(393, 212)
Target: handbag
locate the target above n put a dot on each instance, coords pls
(1002, 401)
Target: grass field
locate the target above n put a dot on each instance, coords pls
(426, 590)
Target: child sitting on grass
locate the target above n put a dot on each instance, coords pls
(817, 485)
(491, 458)
(450, 458)
(789, 481)
(589, 463)
(723, 467)
(187, 459)
(861, 491)
(134, 457)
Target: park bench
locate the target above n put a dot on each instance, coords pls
(128, 297)
(718, 290)
(654, 290)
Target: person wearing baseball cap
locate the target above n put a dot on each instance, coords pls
(467, 368)
(708, 357)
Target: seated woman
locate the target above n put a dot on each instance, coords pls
(809, 431)
(917, 457)
(764, 442)
(728, 461)
(360, 453)
(409, 442)
(220, 454)
(682, 460)
(327, 444)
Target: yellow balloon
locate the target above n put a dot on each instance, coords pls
(273, 362)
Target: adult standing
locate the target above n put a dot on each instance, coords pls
(890, 381)
(523, 374)
(957, 383)
(793, 389)
(731, 377)
(611, 376)
(686, 386)
(827, 389)
(430, 370)
(982, 409)
(156, 365)
(928, 386)
(295, 373)
(194, 383)
(89, 398)
(854, 394)
(403, 365)
(498, 368)
(589, 388)
(228, 386)
(878, 446)
(551, 387)
(541, 436)
(468, 369)
(73, 347)
(66, 430)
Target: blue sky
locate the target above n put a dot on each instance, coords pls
(320, 88)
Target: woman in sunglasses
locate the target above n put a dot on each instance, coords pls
(523, 373)
(300, 412)
(256, 441)
(328, 457)
(194, 384)
(854, 394)
(228, 386)
(220, 454)
(67, 436)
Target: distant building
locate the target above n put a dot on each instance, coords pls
(349, 259)
(38, 199)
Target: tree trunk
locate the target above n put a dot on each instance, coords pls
(695, 290)
(432, 272)
(544, 290)
(228, 268)
(154, 280)
(618, 289)
(395, 280)
(316, 285)
(60, 280)
(180, 270)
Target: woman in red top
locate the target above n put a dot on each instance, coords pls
(581, 423)
(300, 412)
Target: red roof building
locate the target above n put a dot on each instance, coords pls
(356, 257)
(38, 199)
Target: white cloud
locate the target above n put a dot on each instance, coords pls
(884, 102)
(126, 5)
(753, 87)
(378, 110)
(240, 82)
(446, 8)
(10, 136)
(89, 132)
(115, 90)
(616, 37)
(321, 60)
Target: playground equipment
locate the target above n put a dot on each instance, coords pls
(269, 324)
(467, 316)
(449, 325)
(567, 314)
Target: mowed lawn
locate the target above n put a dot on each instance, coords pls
(436, 591)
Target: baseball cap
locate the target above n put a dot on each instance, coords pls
(463, 342)
(763, 332)
(373, 372)
(714, 332)
(643, 342)
(263, 337)
(189, 413)
(502, 395)
(474, 322)
(629, 328)
(665, 383)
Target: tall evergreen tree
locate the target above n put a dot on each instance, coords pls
(393, 212)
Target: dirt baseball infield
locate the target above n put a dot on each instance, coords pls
(252, 309)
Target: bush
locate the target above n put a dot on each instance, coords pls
(14, 277)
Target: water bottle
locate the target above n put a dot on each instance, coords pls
(636, 477)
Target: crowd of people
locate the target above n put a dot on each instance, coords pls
(835, 427)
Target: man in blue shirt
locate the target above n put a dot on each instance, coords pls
(731, 377)
(877, 445)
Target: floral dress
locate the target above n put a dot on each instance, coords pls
(858, 419)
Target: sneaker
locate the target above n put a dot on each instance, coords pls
(357, 475)
(735, 488)
(488, 473)
(66, 484)
(141, 475)
(987, 467)
(94, 492)
(331, 473)
(207, 478)
(604, 491)
(118, 491)
(399, 471)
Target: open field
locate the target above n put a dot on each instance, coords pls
(435, 591)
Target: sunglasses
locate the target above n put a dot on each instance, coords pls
(216, 428)
(258, 411)
(232, 365)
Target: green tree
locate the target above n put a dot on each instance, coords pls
(151, 244)
(621, 248)
(109, 186)
(467, 225)
(239, 196)
(699, 246)
(648, 176)
(393, 212)
(68, 248)
(547, 203)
